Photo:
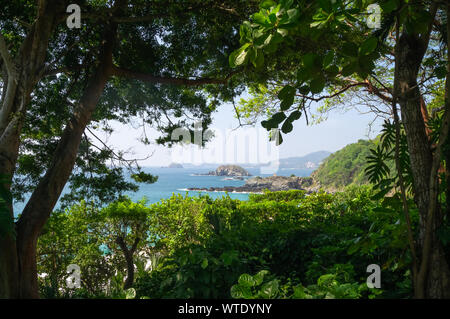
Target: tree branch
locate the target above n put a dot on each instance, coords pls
(9, 64)
(371, 88)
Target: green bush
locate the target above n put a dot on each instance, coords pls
(308, 246)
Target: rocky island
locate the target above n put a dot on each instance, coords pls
(229, 170)
(272, 183)
(175, 165)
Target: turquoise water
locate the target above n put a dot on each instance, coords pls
(177, 180)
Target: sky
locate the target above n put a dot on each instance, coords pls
(249, 144)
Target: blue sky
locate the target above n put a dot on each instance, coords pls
(341, 128)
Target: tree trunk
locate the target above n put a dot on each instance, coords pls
(128, 254)
(44, 198)
(436, 280)
(9, 275)
(24, 72)
(130, 272)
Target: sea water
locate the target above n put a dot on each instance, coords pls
(178, 180)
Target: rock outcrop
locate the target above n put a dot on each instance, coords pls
(229, 170)
(271, 183)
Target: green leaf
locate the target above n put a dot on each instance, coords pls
(304, 89)
(294, 116)
(271, 43)
(332, 70)
(290, 18)
(441, 72)
(309, 60)
(299, 292)
(302, 75)
(239, 292)
(130, 293)
(278, 117)
(328, 59)
(266, 4)
(273, 18)
(238, 56)
(349, 69)
(325, 5)
(286, 92)
(283, 32)
(246, 280)
(286, 95)
(260, 19)
(259, 61)
(204, 263)
(269, 289)
(228, 256)
(350, 49)
(317, 85)
(287, 103)
(368, 46)
(259, 277)
(266, 124)
(287, 127)
(260, 39)
(286, 4)
(389, 6)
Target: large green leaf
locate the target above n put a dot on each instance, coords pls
(368, 46)
(269, 290)
(317, 85)
(246, 280)
(287, 127)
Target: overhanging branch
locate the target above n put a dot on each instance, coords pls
(370, 87)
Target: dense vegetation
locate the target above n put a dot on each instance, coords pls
(347, 166)
(391, 62)
(168, 64)
(275, 245)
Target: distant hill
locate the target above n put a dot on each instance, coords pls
(311, 160)
(345, 166)
(175, 165)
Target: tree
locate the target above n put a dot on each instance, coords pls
(152, 59)
(352, 54)
(70, 237)
(124, 226)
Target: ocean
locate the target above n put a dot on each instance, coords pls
(177, 180)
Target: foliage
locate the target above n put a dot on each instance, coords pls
(328, 286)
(187, 40)
(126, 220)
(335, 46)
(87, 236)
(69, 238)
(297, 240)
(315, 246)
(379, 172)
(346, 166)
(286, 196)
